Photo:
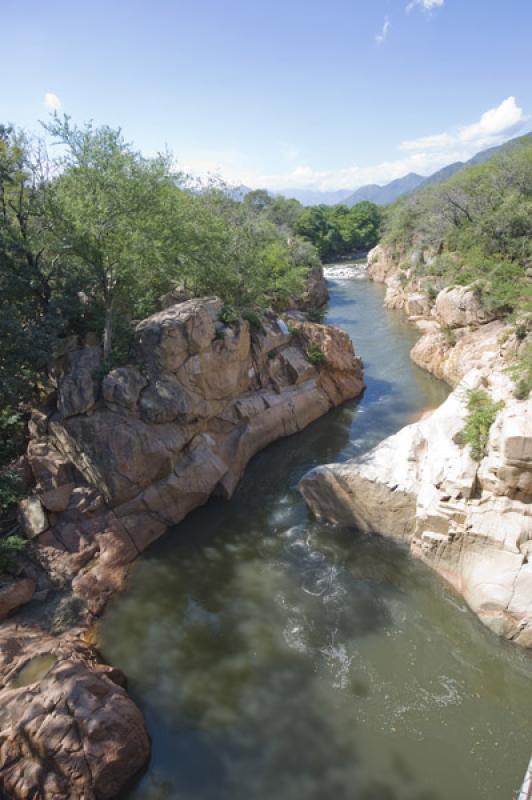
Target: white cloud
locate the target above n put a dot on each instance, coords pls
(424, 156)
(52, 101)
(427, 5)
(493, 126)
(380, 38)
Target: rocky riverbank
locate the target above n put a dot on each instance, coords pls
(469, 520)
(116, 459)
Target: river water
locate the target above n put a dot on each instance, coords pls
(277, 658)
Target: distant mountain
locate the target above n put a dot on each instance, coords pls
(382, 195)
(315, 197)
(480, 158)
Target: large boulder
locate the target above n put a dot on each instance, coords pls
(32, 516)
(507, 470)
(121, 388)
(418, 304)
(69, 730)
(381, 265)
(14, 594)
(450, 355)
(166, 339)
(78, 387)
(460, 306)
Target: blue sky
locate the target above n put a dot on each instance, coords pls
(287, 93)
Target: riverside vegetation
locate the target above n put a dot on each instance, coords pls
(129, 425)
(141, 422)
(90, 240)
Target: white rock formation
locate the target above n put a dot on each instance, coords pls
(471, 523)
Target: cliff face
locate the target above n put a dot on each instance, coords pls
(471, 522)
(114, 468)
(116, 460)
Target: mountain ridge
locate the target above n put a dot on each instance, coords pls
(412, 182)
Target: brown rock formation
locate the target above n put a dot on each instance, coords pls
(168, 432)
(68, 728)
(115, 462)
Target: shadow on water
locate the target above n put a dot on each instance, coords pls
(276, 656)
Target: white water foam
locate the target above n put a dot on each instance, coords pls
(345, 272)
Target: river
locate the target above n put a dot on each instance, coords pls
(277, 658)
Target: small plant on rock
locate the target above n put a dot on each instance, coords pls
(11, 488)
(10, 548)
(315, 355)
(316, 315)
(482, 412)
(228, 315)
(450, 336)
(251, 316)
(521, 372)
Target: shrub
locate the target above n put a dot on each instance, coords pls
(10, 548)
(482, 412)
(11, 488)
(315, 355)
(315, 314)
(228, 315)
(450, 336)
(432, 292)
(521, 373)
(254, 319)
(12, 427)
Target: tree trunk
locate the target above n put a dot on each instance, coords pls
(108, 331)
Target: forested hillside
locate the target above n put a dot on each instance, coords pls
(477, 227)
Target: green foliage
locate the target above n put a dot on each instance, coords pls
(11, 488)
(252, 317)
(339, 230)
(449, 334)
(10, 548)
(228, 315)
(478, 227)
(482, 412)
(12, 425)
(315, 314)
(315, 355)
(91, 240)
(521, 372)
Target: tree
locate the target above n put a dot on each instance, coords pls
(105, 209)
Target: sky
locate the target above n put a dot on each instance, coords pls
(322, 94)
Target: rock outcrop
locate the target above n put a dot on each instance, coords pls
(116, 459)
(68, 728)
(470, 522)
(315, 294)
(115, 468)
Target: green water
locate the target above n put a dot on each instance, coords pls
(277, 658)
